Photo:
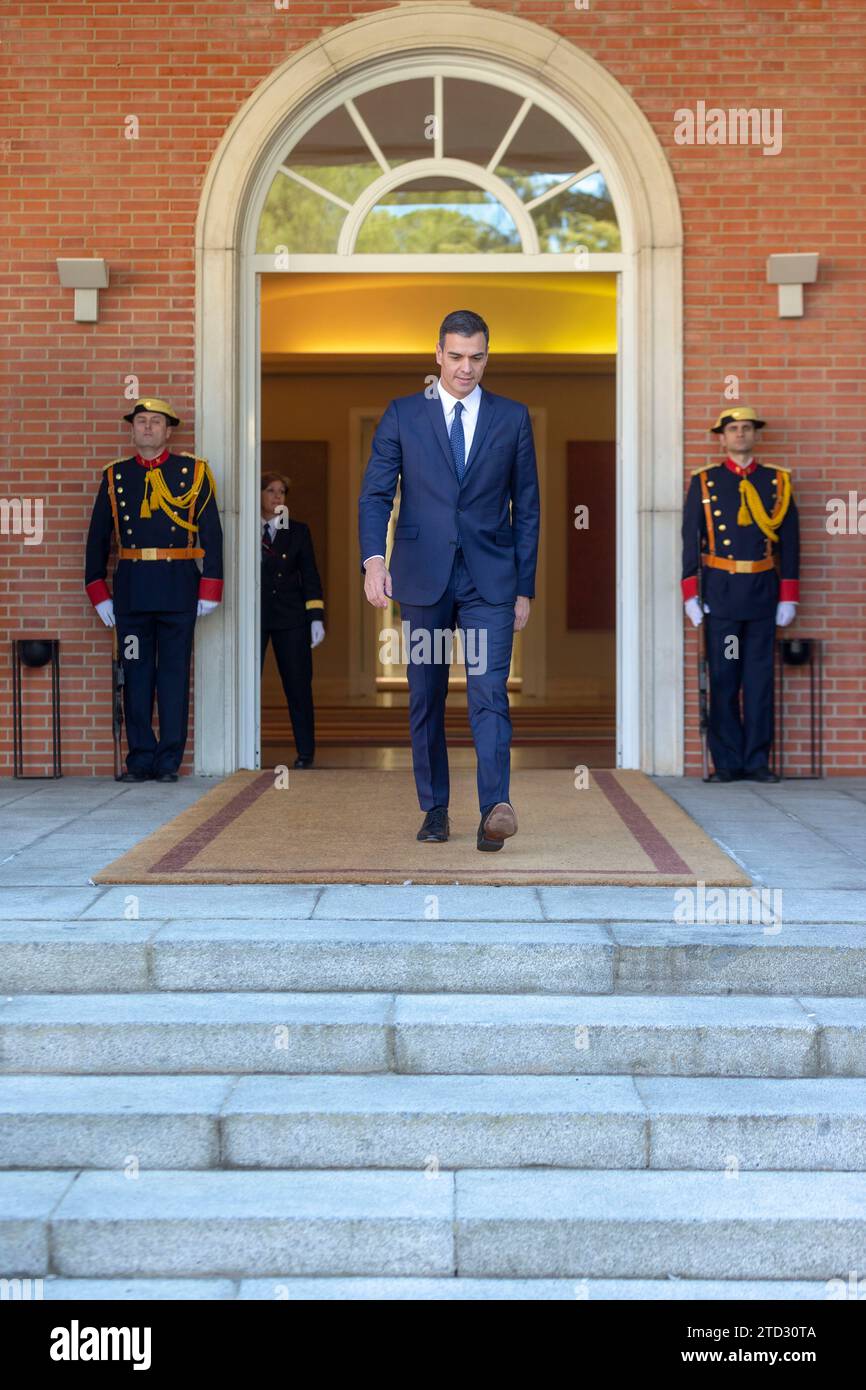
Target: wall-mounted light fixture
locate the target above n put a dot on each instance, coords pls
(86, 278)
(791, 273)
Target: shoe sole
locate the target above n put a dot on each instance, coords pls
(499, 826)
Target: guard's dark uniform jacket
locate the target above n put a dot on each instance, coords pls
(741, 526)
(150, 585)
(291, 587)
(713, 506)
(163, 515)
(291, 600)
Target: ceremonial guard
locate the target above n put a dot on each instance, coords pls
(740, 526)
(293, 609)
(161, 509)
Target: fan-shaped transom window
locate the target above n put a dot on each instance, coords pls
(438, 164)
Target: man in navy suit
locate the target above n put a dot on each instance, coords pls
(460, 559)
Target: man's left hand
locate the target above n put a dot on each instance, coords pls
(205, 606)
(317, 632)
(521, 612)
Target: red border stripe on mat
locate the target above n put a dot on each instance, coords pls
(649, 837)
(174, 859)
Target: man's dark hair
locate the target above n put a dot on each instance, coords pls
(465, 324)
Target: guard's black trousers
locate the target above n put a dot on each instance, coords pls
(295, 664)
(156, 663)
(740, 656)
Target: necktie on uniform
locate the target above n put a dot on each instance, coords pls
(458, 442)
(267, 538)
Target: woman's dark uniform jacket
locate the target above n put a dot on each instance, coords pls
(291, 587)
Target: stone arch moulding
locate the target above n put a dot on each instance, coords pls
(649, 399)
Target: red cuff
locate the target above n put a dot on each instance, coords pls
(97, 592)
(211, 589)
(789, 591)
(690, 587)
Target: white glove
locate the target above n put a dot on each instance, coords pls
(317, 632)
(693, 609)
(205, 606)
(105, 609)
(785, 614)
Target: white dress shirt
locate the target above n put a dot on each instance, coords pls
(468, 419)
(469, 414)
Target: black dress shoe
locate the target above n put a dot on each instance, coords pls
(165, 777)
(724, 774)
(761, 774)
(496, 826)
(303, 762)
(435, 825)
(135, 777)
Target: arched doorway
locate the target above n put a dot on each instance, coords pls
(552, 77)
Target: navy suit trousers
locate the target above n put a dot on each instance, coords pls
(487, 635)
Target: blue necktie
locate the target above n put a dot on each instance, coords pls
(458, 442)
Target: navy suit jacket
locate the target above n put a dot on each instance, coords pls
(411, 444)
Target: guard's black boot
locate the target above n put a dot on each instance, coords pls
(761, 774)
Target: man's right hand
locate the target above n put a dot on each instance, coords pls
(105, 609)
(377, 582)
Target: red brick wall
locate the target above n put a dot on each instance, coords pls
(73, 185)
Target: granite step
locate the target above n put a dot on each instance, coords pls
(490, 1224)
(645, 1035)
(432, 1122)
(365, 1288)
(423, 956)
(538, 1290)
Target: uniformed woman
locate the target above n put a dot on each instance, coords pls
(293, 609)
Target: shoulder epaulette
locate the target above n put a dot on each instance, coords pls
(112, 463)
(197, 457)
(704, 468)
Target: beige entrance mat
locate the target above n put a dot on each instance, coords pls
(357, 826)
